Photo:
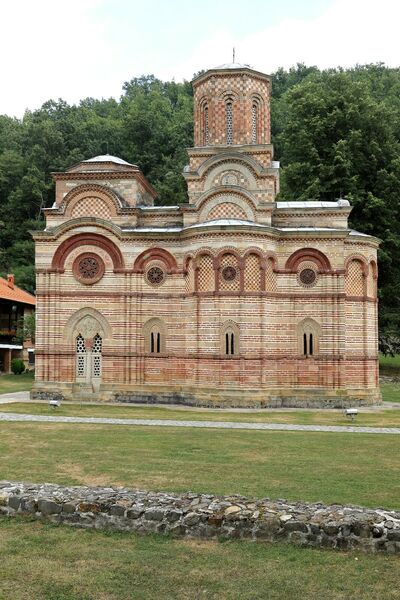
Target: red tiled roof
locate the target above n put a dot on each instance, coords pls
(15, 294)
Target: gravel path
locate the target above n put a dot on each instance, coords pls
(209, 424)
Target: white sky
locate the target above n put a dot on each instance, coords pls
(84, 48)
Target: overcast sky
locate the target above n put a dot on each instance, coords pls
(82, 48)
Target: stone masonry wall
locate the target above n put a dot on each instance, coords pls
(193, 515)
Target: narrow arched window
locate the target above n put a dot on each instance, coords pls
(155, 342)
(254, 122)
(205, 126)
(229, 343)
(230, 339)
(309, 337)
(229, 123)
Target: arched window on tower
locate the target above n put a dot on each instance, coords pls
(254, 123)
(229, 122)
(206, 137)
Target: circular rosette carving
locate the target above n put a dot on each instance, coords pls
(88, 268)
(229, 273)
(307, 277)
(155, 276)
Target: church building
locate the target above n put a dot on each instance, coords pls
(232, 299)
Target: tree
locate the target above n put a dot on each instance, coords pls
(26, 328)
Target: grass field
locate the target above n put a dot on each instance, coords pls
(45, 562)
(331, 467)
(16, 383)
(376, 418)
(389, 364)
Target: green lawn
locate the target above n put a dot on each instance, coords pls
(390, 364)
(375, 418)
(16, 383)
(331, 467)
(390, 392)
(45, 562)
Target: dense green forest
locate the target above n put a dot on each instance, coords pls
(336, 133)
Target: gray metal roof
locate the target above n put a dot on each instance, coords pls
(108, 158)
(313, 204)
(234, 65)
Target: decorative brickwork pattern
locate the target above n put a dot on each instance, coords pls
(355, 279)
(227, 210)
(252, 273)
(270, 276)
(371, 280)
(206, 275)
(230, 99)
(189, 278)
(238, 205)
(91, 207)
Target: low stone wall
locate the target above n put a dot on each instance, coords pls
(205, 516)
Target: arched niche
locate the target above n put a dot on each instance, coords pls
(155, 254)
(308, 255)
(86, 239)
(88, 322)
(220, 197)
(90, 200)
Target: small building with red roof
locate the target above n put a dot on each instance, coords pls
(15, 304)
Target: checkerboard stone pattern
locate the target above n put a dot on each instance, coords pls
(91, 207)
(228, 210)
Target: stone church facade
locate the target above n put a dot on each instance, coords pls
(233, 299)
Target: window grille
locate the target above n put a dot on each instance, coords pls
(96, 365)
(80, 344)
(80, 356)
(229, 123)
(97, 344)
(81, 365)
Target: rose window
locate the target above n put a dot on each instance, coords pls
(308, 277)
(229, 273)
(155, 275)
(89, 267)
